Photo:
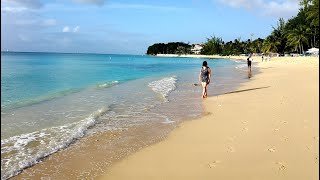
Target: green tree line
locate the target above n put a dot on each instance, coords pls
(296, 35)
(169, 48)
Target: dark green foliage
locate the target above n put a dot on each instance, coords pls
(298, 34)
(212, 46)
(169, 48)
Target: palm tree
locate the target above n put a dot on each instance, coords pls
(251, 35)
(279, 34)
(297, 37)
(258, 45)
(270, 44)
(313, 15)
(312, 8)
(212, 46)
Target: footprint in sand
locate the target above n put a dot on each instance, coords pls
(272, 149)
(277, 129)
(308, 147)
(230, 149)
(213, 164)
(245, 129)
(284, 139)
(281, 166)
(244, 122)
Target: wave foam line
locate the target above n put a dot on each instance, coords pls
(108, 84)
(164, 86)
(50, 140)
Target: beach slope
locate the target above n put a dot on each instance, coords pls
(267, 129)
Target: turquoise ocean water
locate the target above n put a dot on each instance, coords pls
(49, 100)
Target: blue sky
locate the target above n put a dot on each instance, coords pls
(129, 27)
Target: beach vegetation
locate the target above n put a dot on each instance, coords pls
(212, 46)
(169, 48)
(297, 38)
(295, 35)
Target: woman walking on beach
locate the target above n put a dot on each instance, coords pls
(249, 61)
(204, 78)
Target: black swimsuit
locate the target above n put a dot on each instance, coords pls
(249, 62)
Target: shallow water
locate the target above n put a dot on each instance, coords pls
(50, 100)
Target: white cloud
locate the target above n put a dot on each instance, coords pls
(286, 9)
(69, 29)
(248, 4)
(144, 7)
(76, 29)
(33, 4)
(96, 2)
(274, 8)
(66, 29)
(12, 9)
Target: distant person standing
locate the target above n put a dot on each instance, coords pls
(204, 78)
(262, 57)
(249, 61)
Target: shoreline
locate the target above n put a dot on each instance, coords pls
(240, 57)
(199, 56)
(261, 131)
(90, 156)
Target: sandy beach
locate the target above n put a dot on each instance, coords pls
(267, 129)
(126, 98)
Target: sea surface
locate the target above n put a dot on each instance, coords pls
(51, 100)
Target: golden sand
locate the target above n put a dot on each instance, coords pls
(267, 129)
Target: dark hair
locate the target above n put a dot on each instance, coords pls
(204, 63)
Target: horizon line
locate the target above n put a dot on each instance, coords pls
(54, 52)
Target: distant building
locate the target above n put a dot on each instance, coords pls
(196, 48)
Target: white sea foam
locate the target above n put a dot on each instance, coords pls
(108, 84)
(167, 121)
(164, 86)
(22, 151)
(241, 66)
